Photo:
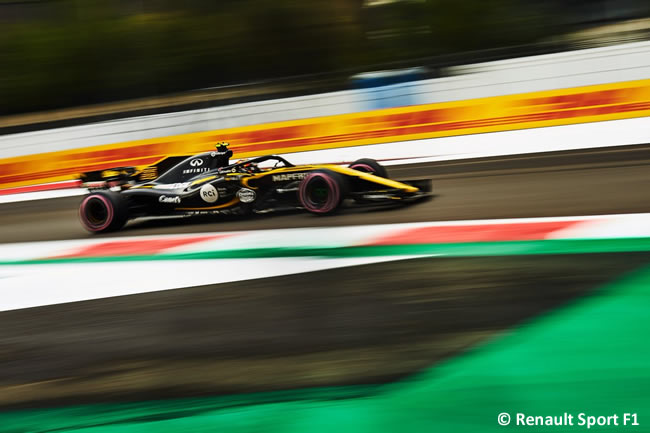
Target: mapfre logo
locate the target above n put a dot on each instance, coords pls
(288, 176)
(209, 193)
(196, 162)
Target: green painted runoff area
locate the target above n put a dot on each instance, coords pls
(590, 357)
(467, 249)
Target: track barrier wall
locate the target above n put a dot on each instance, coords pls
(501, 113)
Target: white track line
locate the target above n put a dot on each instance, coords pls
(39, 285)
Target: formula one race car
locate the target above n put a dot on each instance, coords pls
(209, 184)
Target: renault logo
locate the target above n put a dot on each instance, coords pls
(196, 162)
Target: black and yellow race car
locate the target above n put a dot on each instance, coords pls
(208, 183)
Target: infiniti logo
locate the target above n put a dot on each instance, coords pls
(196, 162)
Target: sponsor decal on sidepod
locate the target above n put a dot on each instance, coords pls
(209, 193)
(169, 199)
(246, 195)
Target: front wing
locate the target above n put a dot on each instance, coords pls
(396, 195)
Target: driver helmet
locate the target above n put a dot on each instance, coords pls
(222, 154)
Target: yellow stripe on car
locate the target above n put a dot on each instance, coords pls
(371, 178)
(230, 203)
(205, 179)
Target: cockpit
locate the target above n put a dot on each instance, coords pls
(258, 165)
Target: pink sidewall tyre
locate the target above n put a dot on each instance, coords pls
(322, 192)
(103, 211)
(371, 166)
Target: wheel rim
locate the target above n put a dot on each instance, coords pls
(96, 212)
(320, 193)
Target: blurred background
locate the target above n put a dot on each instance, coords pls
(64, 53)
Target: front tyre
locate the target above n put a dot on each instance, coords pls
(371, 166)
(322, 192)
(103, 211)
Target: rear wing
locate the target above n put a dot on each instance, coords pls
(109, 178)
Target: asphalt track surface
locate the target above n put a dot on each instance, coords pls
(347, 326)
(586, 182)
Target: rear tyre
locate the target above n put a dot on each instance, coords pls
(322, 192)
(371, 166)
(103, 211)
